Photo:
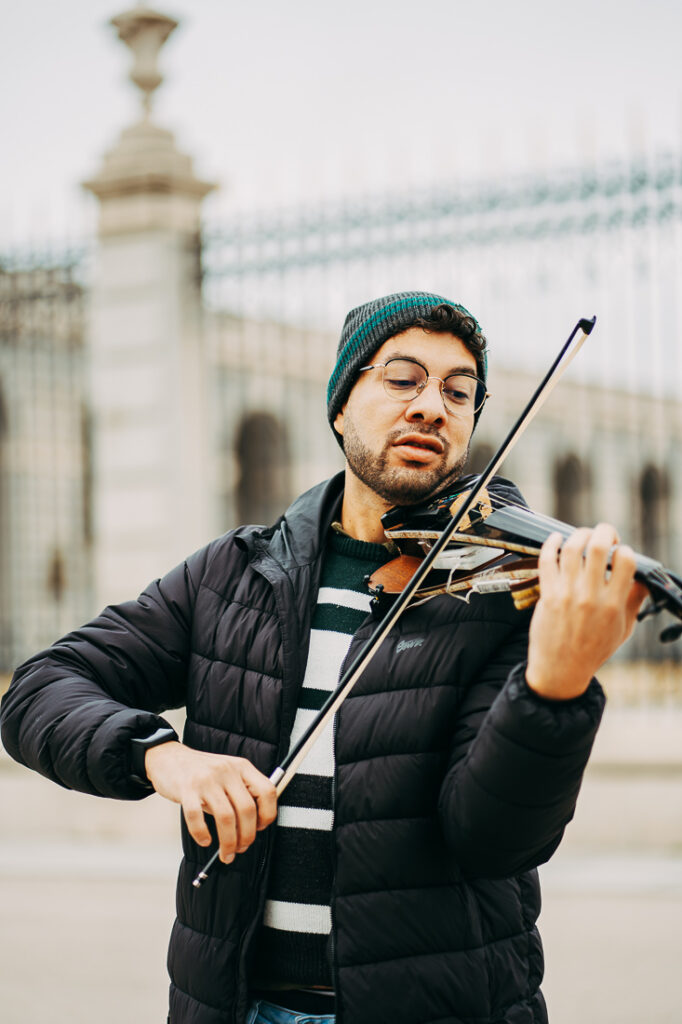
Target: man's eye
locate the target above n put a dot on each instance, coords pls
(402, 383)
(458, 395)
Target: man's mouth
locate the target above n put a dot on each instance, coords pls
(419, 447)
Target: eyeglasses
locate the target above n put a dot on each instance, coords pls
(404, 379)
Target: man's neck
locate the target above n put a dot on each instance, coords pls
(362, 510)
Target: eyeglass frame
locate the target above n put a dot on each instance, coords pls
(429, 376)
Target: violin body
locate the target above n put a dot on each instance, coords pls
(495, 548)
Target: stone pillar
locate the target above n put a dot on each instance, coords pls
(147, 361)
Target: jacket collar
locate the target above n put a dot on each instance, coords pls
(299, 537)
(301, 534)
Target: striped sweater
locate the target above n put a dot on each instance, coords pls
(292, 948)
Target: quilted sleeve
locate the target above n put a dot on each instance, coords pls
(71, 711)
(515, 768)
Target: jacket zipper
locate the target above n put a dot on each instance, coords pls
(332, 934)
(250, 930)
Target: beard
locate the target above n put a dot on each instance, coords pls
(403, 485)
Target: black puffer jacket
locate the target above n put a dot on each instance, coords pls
(453, 780)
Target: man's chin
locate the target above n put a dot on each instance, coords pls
(411, 487)
(418, 486)
(397, 483)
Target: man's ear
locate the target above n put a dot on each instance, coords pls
(338, 419)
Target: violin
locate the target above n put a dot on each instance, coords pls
(494, 549)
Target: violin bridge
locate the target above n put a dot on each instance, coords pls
(479, 511)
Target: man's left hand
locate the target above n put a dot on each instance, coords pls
(584, 613)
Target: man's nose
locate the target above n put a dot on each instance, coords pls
(428, 405)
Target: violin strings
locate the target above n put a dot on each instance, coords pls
(499, 502)
(527, 516)
(536, 527)
(507, 504)
(527, 523)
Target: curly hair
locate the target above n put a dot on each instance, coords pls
(445, 319)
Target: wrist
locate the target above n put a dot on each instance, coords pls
(554, 681)
(551, 685)
(140, 747)
(156, 754)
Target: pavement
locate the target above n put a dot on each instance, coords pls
(87, 896)
(84, 929)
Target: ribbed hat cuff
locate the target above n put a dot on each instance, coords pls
(367, 328)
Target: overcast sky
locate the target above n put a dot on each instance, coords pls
(282, 101)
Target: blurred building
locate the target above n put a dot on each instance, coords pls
(45, 459)
(170, 382)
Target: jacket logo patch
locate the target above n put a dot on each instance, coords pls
(407, 645)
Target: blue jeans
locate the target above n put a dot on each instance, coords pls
(262, 1012)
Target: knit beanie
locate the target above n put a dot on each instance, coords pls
(366, 329)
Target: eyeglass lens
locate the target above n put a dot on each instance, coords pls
(404, 380)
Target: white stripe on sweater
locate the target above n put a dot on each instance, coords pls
(298, 917)
(305, 817)
(346, 598)
(320, 758)
(325, 657)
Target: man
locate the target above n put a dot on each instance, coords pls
(398, 884)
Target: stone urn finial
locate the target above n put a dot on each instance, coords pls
(144, 31)
(145, 182)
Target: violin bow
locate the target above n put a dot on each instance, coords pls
(283, 773)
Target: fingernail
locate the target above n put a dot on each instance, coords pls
(228, 859)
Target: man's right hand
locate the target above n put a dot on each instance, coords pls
(241, 799)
